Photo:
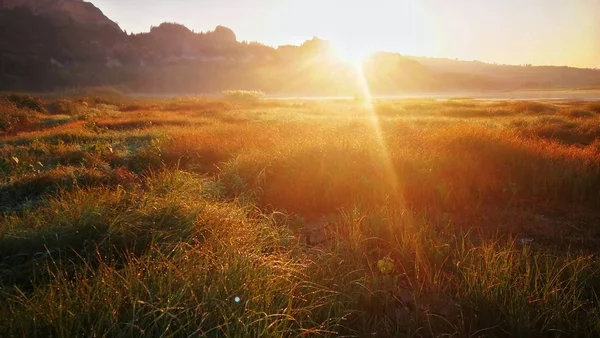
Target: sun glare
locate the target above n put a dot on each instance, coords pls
(352, 54)
(356, 56)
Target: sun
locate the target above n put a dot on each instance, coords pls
(351, 53)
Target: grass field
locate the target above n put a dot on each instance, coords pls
(203, 217)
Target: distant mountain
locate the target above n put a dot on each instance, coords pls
(82, 12)
(45, 44)
(516, 77)
(53, 44)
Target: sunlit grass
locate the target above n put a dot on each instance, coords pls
(134, 217)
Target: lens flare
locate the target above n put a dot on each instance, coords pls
(369, 108)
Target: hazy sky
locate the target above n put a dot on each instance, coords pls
(557, 32)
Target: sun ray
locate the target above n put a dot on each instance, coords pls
(369, 107)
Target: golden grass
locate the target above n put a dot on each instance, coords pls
(133, 217)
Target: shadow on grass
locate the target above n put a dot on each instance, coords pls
(82, 225)
(79, 138)
(29, 190)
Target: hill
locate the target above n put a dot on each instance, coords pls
(49, 45)
(82, 12)
(519, 76)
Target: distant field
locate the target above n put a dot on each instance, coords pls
(191, 217)
(579, 94)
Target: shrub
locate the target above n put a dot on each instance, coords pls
(27, 102)
(98, 95)
(106, 95)
(244, 96)
(11, 116)
(64, 107)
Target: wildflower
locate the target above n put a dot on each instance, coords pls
(386, 265)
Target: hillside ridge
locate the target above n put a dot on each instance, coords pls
(50, 45)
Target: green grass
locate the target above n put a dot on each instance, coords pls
(129, 217)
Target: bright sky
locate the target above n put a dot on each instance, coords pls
(556, 32)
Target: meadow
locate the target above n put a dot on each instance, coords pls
(184, 217)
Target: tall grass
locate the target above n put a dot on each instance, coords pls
(193, 217)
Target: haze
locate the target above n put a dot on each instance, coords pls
(539, 32)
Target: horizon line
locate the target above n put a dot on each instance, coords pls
(298, 44)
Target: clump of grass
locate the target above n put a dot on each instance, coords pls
(132, 107)
(208, 146)
(532, 107)
(30, 188)
(580, 114)
(528, 290)
(594, 107)
(560, 128)
(66, 107)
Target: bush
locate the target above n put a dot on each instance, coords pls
(243, 96)
(64, 107)
(11, 116)
(98, 95)
(26, 102)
